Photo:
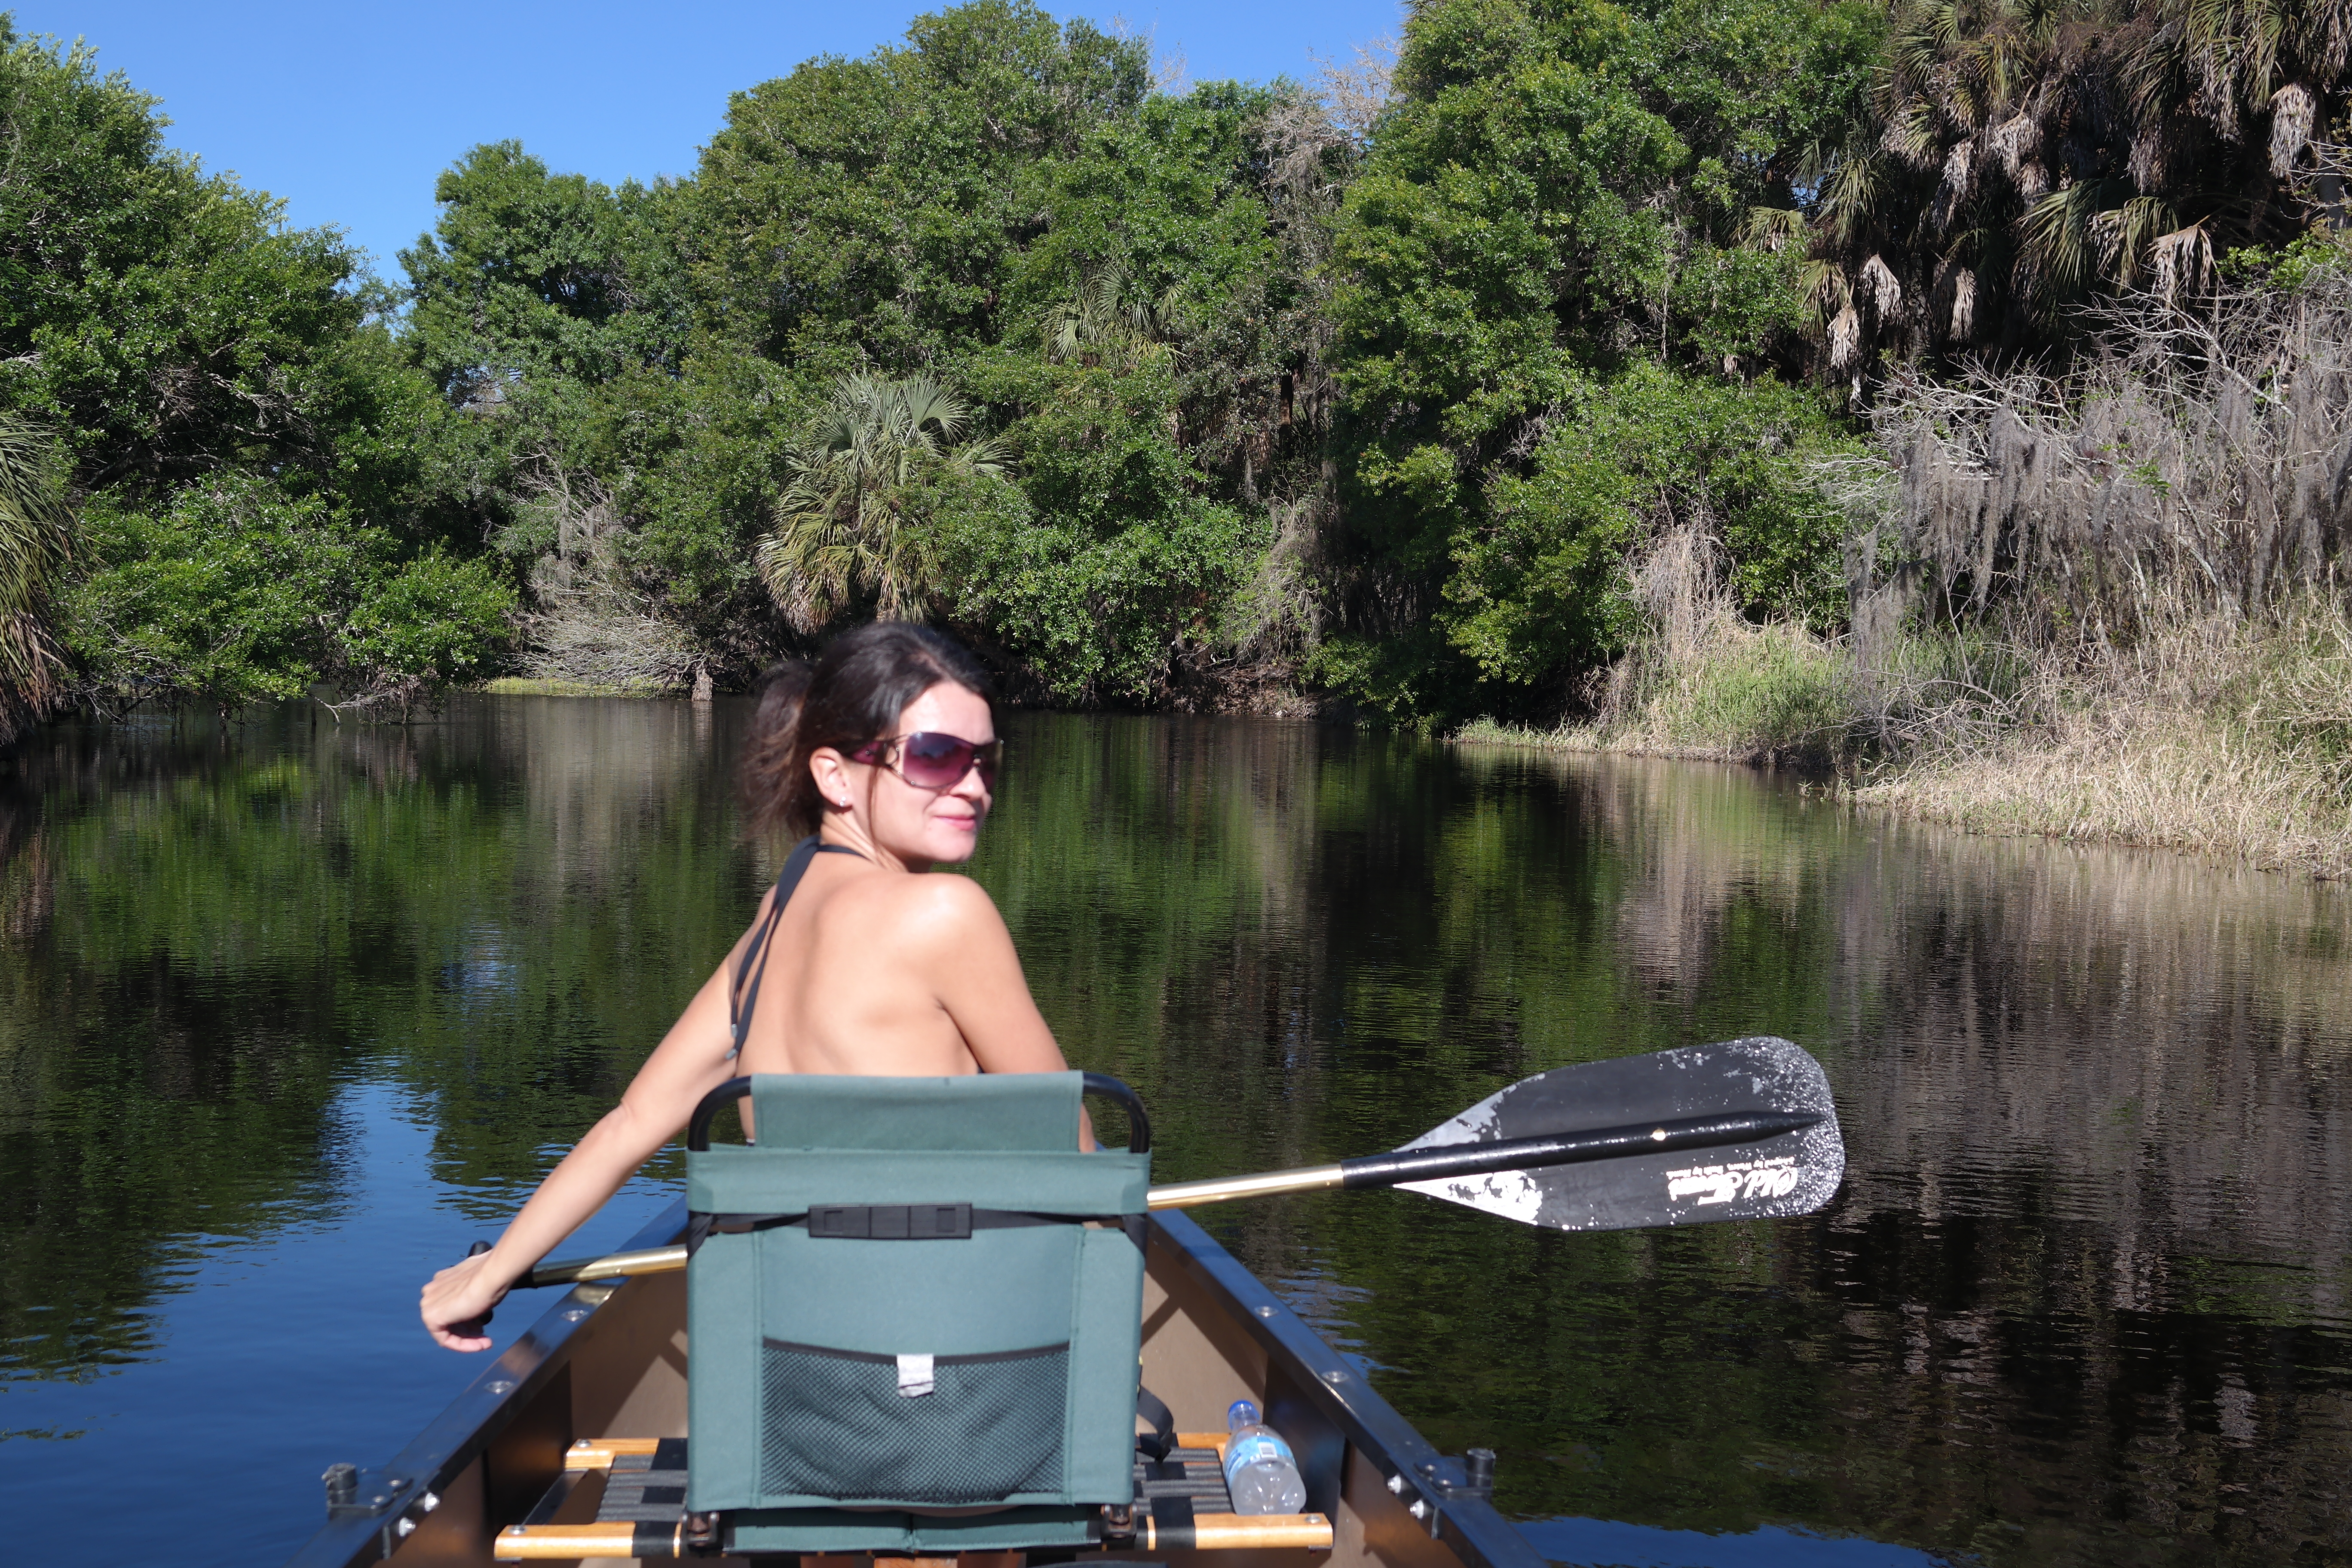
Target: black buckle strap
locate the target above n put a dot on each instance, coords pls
(1172, 1524)
(890, 1222)
(886, 1221)
(1161, 1441)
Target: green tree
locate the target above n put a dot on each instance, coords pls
(239, 592)
(533, 278)
(253, 458)
(1540, 593)
(1106, 321)
(162, 320)
(851, 528)
(865, 210)
(1557, 195)
(946, 209)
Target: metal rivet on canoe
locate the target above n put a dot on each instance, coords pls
(501, 1385)
(1396, 1485)
(1335, 1376)
(432, 1501)
(407, 1528)
(1419, 1510)
(573, 1314)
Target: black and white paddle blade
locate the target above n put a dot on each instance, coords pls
(1786, 1174)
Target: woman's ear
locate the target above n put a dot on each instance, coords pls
(829, 769)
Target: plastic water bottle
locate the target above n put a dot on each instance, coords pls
(1261, 1472)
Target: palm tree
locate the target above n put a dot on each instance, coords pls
(36, 540)
(1108, 323)
(848, 526)
(2022, 153)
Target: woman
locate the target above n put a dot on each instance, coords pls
(886, 752)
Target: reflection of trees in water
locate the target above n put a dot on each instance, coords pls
(204, 934)
(2085, 1280)
(2081, 1298)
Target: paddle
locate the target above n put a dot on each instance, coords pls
(1739, 1130)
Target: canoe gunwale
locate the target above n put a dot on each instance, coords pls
(464, 1432)
(506, 1389)
(1479, 1535)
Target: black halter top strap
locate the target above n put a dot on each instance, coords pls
(740, 1001)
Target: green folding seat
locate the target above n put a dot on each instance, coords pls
(914, 1308)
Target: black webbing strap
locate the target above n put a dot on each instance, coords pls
(1161, 1441)
(742, 1003)
(1171, 1525)
(651, 1542)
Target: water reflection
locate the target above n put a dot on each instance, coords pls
(2082, 1301)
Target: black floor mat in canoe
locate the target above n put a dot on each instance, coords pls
(1190, 1473)
(645, 1489)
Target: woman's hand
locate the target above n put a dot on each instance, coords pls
(457, 1302)
(690, 1062)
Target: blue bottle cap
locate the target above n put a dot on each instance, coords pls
(1239, 1413)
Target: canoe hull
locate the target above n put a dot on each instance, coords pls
(609, 1361)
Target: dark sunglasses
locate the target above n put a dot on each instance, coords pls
(934, 760)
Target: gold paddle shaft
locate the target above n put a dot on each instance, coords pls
(1224, 1189)
(613, 1266)
(1175, 1196)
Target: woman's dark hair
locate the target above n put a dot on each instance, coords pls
(853, 693)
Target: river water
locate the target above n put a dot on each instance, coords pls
(293, 1011)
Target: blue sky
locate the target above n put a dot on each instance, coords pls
(348, 111)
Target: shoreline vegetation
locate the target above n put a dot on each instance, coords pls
(2208, 749)
(2095, 603)
(1959, 399)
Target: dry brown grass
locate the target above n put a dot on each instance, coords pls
(1733, 692)
(2215, 735)
(2146, 774)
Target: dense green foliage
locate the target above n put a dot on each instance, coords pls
(1425, 402)
(1550, 324)
(166, 328)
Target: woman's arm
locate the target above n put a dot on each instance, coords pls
(962, 946)
(958, 942)
(689, 1063)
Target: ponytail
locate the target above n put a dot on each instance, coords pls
(851, 695)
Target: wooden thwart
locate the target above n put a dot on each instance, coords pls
(563, 1542)
(1206, 1532)
(598, 1453)
(1237, 1532)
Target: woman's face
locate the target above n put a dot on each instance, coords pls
(918, 825)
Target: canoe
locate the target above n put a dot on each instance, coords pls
(568, 1427)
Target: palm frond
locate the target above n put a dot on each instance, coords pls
(847, 527)
(35, 544)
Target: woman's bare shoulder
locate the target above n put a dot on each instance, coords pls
(926, 905)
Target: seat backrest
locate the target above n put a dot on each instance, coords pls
(899, 1301)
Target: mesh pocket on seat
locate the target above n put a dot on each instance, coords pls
(833, 1424)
